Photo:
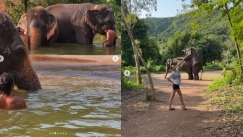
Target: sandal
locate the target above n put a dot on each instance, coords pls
(184, 108)
(171, 109)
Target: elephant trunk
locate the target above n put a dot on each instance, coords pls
(35, 37)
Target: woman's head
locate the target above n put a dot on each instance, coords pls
(6, 83)
(173, 67)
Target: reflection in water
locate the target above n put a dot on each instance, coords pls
(74, 104)
(109, 50)
(75, 49)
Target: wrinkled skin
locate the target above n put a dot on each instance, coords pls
(78, 23)
(41, 27)
(195, 63)
(16, 61)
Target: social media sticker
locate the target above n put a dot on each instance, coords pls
(1, 58)
(115, 58)
(127, 73)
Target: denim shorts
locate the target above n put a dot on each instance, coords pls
(175, 86)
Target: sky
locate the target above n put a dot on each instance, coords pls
(166, 8)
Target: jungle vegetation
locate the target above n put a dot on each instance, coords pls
(206, 29)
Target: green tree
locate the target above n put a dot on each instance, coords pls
(227, 8)
(209, 50)
(137, 6)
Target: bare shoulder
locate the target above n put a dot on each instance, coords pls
(16, 103)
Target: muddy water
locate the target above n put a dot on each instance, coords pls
(75, 49)
(75, 101)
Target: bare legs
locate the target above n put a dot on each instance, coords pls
(181, 99)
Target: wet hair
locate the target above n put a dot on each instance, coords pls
(6, 82)
(104, 27)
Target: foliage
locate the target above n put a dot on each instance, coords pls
(127, 84)
(148, 45)
(229, 10)
(136, 6)
(167, 27)
(229, 99)
(208, 48)
(213, 66)
(232, 77)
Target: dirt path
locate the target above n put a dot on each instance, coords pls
(142, 118)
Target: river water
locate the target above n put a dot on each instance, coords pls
(74, 49)
(76, 100)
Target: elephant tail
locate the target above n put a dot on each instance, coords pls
(201, 74)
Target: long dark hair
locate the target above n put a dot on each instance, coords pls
(6, 82)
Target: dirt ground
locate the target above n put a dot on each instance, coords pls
(141, 118)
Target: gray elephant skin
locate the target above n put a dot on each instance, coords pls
(195, 63)
(78, 23)
(41, 27)
(192, 64)
(16, 61)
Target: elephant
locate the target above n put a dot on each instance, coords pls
(78, 23)
(41, 27)
(195, 63)
(175, 61)
(186, 66)
(14, 56)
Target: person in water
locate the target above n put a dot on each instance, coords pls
(110, 36)
(7, 100)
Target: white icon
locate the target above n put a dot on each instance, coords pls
(1, 58)
(115, 58)
(127, 73)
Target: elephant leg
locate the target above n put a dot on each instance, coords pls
(190, 76)
(196, 77)
(83, 37)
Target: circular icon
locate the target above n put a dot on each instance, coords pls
(127, 73)
(115, 58)
(1, 58)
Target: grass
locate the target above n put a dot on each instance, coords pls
(228, 99)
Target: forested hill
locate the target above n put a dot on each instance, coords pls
(166, 27)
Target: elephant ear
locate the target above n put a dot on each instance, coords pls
(90, 17)
(52, 26)
(23, 23)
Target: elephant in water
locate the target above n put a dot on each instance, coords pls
(41, 27)
(78, 23)
(14, 57)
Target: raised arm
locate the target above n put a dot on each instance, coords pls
(179, 63)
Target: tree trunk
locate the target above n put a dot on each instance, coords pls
(137, 50)
(138, 71)
(235, 39)
(25, 6)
